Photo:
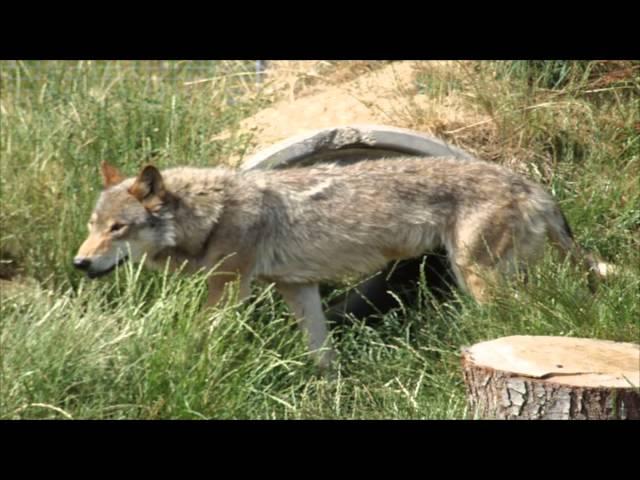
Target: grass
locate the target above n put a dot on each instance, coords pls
(136, 345)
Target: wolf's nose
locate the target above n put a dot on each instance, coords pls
(81, 263)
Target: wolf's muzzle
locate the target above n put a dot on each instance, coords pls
(81, 263)
(85, 264)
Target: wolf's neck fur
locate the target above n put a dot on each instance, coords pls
(197, 203)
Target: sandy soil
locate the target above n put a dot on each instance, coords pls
(308, 98)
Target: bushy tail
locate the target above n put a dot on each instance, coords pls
(562, 238)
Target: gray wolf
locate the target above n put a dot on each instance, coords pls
(300, 226)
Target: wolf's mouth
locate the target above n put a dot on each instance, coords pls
(95, 274)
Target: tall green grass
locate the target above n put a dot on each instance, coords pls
(60, 119)
(137, 345)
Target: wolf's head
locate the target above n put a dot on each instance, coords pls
(132, 218)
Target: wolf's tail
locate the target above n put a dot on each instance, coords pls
(562, 239)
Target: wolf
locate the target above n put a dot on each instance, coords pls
(298, 227)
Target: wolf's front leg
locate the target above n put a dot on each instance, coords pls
(304, 300)
(219, 289)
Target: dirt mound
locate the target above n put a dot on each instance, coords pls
(314, 95)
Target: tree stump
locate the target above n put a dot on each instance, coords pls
(553, 378)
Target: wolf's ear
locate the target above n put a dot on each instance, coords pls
(110, 174)
(148, 188)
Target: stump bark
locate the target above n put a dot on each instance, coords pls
(554, 378)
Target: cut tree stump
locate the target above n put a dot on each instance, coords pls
(554, 378)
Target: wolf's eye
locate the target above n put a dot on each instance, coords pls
(116, 227)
